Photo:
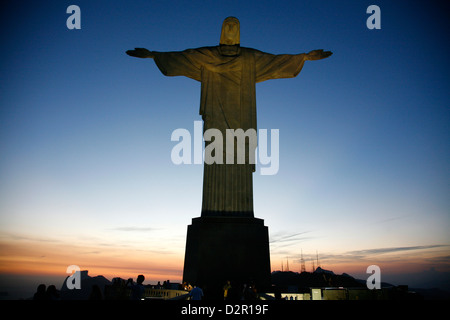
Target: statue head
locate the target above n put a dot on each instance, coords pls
(230, 32)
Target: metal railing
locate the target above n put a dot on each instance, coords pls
(166, 294)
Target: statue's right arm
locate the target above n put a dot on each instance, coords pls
(140, 53)
(174, 63)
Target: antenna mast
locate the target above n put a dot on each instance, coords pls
(302, 261)
(317, 257)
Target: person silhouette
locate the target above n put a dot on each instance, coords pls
(138, 289)
(226, 290)
(40, 293)
(52, 293)
(196, 293)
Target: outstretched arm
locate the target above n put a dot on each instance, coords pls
(176, 63)
(318, 54)
(140, 53)
(277, 66)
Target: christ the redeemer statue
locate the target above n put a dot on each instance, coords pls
(228, 74)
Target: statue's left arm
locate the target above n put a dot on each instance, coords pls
(276, 66)
(318, 54)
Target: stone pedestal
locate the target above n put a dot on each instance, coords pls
(227, 248)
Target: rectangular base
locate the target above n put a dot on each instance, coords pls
(219, 249)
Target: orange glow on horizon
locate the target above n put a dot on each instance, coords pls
(28, 257)
(53, 260)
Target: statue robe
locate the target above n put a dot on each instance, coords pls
(228, 75)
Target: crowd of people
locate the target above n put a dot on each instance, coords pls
(245, 291)
(119, 289)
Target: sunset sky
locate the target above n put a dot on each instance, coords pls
(86, 176)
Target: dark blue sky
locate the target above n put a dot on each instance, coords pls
(364, 135)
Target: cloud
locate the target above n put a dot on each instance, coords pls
(285, 239)
(440, 259)
(91, 252)
(390, 250)
(134, 229)
(19, 237)
(156, 251)
(389, 220)
(288, 237)
(361, 255)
